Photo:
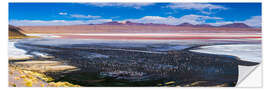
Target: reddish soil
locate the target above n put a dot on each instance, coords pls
(150, 38)
(133, 29)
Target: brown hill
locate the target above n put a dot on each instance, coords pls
(15, 32)
(186, 25)
(236, 25)
(233, 25)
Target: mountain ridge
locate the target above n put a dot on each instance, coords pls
(231, 25)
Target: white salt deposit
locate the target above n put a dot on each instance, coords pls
(44, 35)
(43, 55)
(246, 52)
(16, 53)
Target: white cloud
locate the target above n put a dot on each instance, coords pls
(56, 22)
(79, 15)
(84, 16)
(192, 19)
(62, 13)
(132, 5)
(197, 6)
(220, 23)
(255, 21)
(202, 7)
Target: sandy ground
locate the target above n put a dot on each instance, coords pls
(22, 78)
(29, 73)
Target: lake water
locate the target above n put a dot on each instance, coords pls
(137, 63)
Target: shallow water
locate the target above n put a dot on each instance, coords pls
(132, 63)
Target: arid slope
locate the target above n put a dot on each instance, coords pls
(15, 32)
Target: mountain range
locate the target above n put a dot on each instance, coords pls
(232, 25)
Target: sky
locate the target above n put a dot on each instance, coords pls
(43, 14)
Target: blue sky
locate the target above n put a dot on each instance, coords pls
(22, 14)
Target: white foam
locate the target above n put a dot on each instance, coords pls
(44, 35)
(43, 55)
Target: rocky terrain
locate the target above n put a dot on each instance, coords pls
(25, 71)
(15, 32)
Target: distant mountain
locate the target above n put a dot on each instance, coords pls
(153, 24)
(14, 31)
(191, 25)
(121, 23)
(130, 23)
(236, 25)
(204, 25)
(112, 23)
(233, 25)
(186, 25)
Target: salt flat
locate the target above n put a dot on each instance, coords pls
(246, 52)
(16, 53)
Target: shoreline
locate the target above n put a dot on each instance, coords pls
(20, 76)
